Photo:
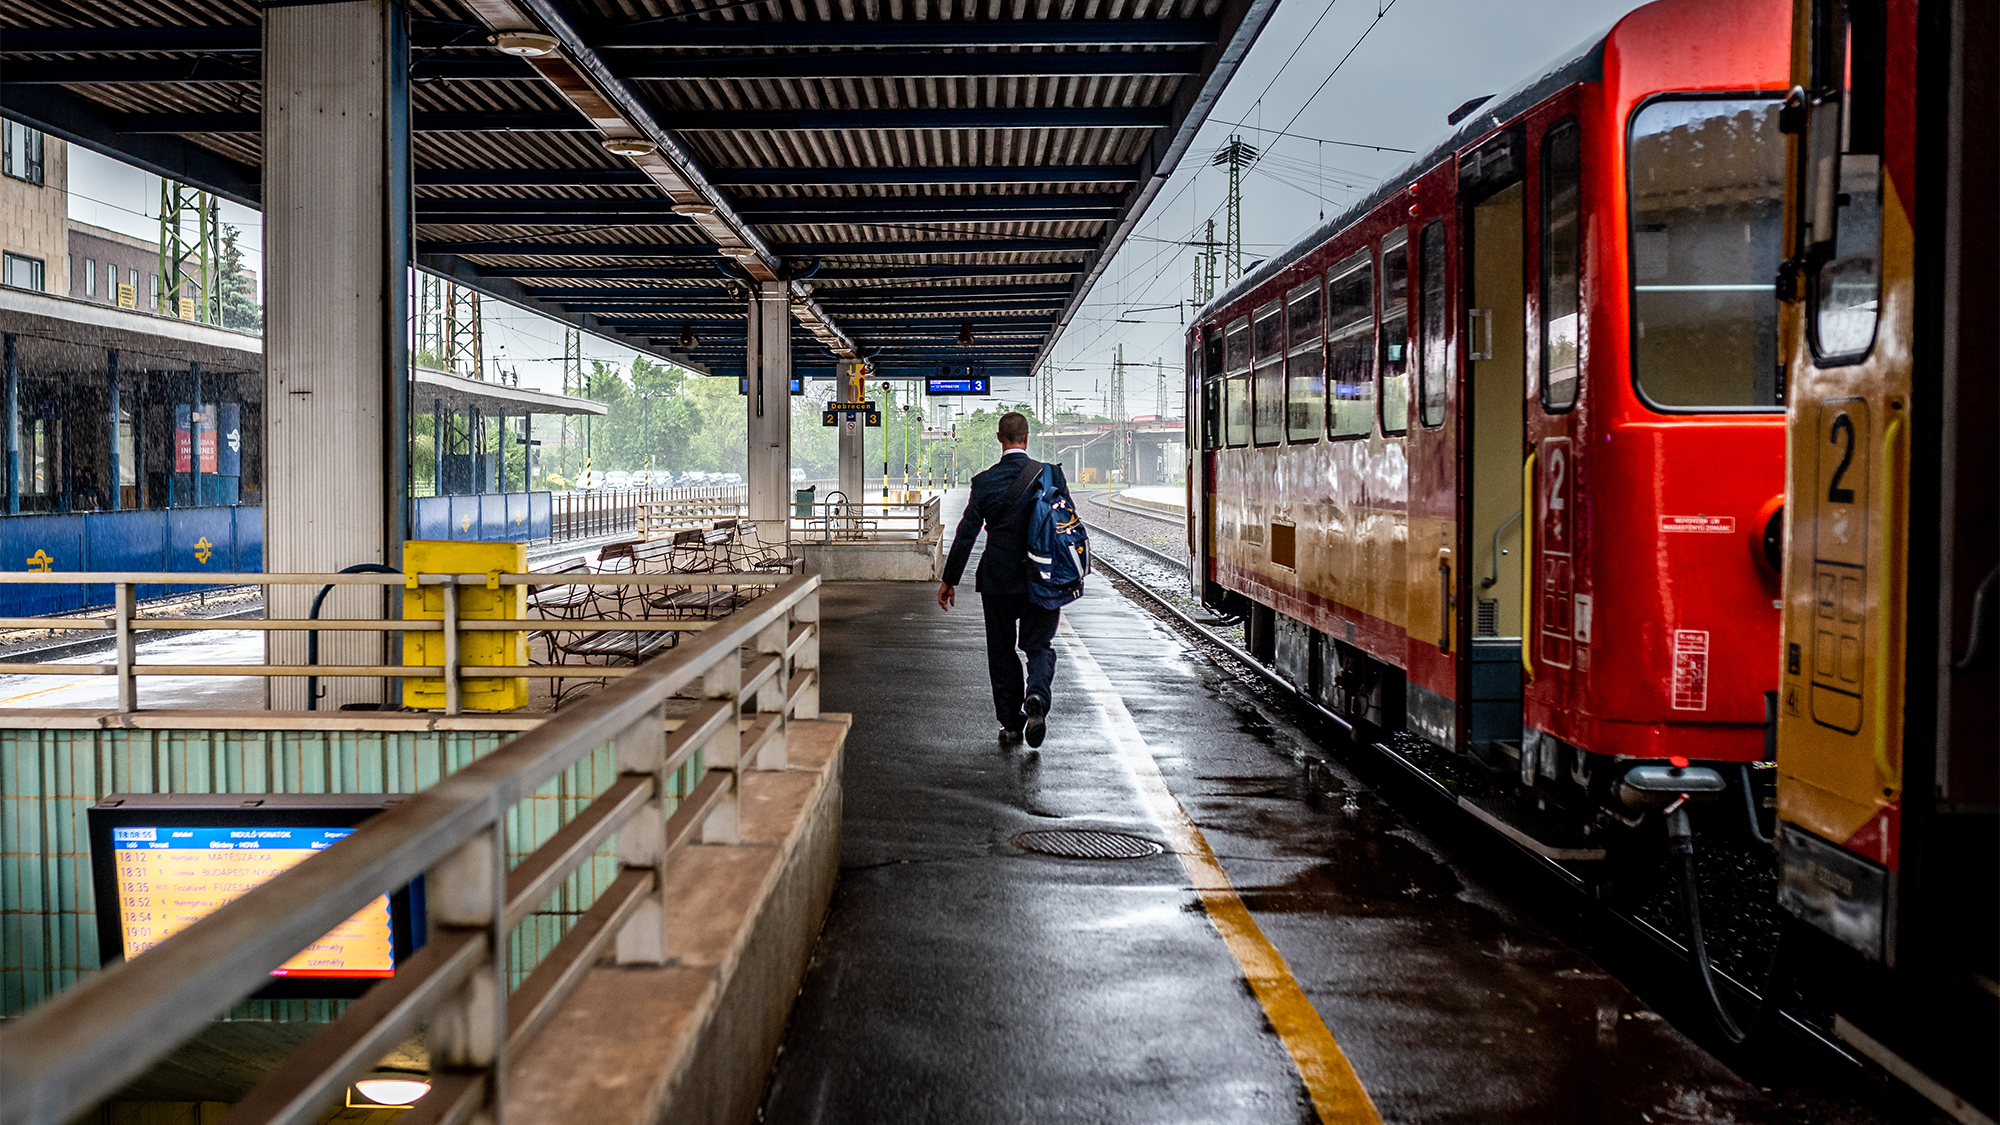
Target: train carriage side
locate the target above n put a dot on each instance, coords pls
(1888, 762)
(1528, 386)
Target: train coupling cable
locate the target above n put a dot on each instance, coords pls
(1670, 788)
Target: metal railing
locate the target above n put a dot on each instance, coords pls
(749, 673)
(841, 521)
(124, 624)
(598, 513)
(661, 517)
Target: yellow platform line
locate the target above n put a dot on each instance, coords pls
(1336, 1091)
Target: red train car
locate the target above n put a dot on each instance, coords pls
(1498, 454)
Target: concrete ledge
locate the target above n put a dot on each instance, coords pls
(693, 1040)
(1154, 505)
(910, 560)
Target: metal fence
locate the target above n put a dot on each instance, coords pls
(749, 673)
(595, 514)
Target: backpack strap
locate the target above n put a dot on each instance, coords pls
(1029, 473)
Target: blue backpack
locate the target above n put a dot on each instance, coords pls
(1058, 546)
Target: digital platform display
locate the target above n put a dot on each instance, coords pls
(956, 386)
(160, 863)
(743, 385)
(172, 876)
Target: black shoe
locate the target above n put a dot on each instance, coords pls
(1010, 735)
(1036, 709)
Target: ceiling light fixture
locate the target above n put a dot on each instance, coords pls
(965, 335)
(523, 44)
(694, 209)
(392, 1089)
(629, 146)
(687, 335)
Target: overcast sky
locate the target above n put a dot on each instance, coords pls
(1412, 62)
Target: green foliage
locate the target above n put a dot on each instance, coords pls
(240, 309)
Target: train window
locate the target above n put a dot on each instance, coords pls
(1236, 384)
(1305, 362)
(1211, 390)
(1395, 332)
(1843, 180)
(1267, 377)
(1707, 212)
(1350, 346)
(1562, 247)
(1433, 374)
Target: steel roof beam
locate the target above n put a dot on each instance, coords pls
(780, 177)
(900, 217)
(83, 122)
(241, 67)
(783, 34)
(793, 250)
(201, 40)
(883, 273)
(513, 293)
(560, 121)
(1021, 117)
(847, 204)
(910, 64)
(530, 177)
(1013, 174)
(941, 246)
(842, 296)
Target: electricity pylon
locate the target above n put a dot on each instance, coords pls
(1236, 156)
(190, 267)
(463, 352)
(1204, 269)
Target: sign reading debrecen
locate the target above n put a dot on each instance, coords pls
(170, 877)
(161, 863)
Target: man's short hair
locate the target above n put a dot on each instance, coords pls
(1013, 428)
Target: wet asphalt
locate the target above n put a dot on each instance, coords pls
(962, 978)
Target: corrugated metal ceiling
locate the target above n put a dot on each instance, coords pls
(920, 166)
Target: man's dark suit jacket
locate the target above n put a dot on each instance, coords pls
(1003, 568)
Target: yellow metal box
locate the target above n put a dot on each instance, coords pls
(475, 603)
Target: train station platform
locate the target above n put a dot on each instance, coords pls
(1250, 940)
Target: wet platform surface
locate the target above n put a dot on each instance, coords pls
(961, 977)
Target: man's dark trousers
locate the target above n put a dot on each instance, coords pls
(1009, 616)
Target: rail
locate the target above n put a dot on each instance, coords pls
(124, 624)
(85, 1044)
(842, 521)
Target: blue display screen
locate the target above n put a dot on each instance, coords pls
(227, 839)
(955, 386)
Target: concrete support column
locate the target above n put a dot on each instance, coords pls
(336, 189)
(113, 468)
(13, 391)
(853, 434)
(768, 367)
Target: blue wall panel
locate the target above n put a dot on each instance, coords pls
(495, 517)
(123, 541)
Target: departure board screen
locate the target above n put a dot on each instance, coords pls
(172, 876)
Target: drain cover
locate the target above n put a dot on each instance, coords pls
(1072, 843)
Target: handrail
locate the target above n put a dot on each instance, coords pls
(124, 623)
(1888, 626)
(84, 1044)
(1528, 566)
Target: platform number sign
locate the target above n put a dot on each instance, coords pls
(1840, 563)
(1556, 588)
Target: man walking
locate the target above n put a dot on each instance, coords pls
(1002, 501)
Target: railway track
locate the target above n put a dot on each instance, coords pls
(1439, 802)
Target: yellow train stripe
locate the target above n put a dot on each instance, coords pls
(1336, 1091)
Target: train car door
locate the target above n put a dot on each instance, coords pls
(1555, 607)
(1492, 192)
(1433, 445)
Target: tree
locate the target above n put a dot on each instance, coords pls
(240, 308)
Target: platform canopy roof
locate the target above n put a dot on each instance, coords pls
(924, 173)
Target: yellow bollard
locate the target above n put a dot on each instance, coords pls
(489, 602)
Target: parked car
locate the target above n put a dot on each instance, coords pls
(645, 478)
(617, 480)
(697, 477)
(732, 478)
(590, 480)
